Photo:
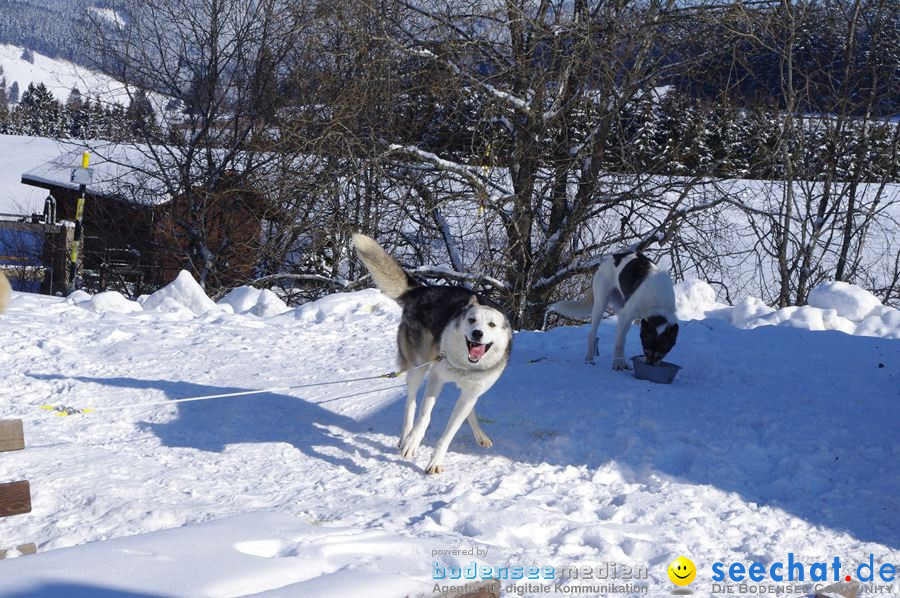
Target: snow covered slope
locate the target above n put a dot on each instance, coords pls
(60, 76)
(772, 440)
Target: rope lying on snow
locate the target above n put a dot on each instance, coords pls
(64, 410)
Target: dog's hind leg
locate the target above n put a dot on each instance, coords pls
(464, 406)
(413, 382)
(480, 437)
(599, 307)
(411, 441)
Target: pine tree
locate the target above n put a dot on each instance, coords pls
(647, 136)
(40, 111)
(74, 101)
(117, 123)
(140, 115)
(75, 109)
(14, 93)
(4, 109)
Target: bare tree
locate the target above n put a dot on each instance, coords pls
(213, 68)
(828, 195)
(548, 84)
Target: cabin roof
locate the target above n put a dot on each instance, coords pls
(119, 171)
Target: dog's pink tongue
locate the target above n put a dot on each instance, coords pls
(476, 352)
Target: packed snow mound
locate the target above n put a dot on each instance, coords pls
(848, 300)
(832, 306)
(111, 302)
(78, 297)
(183, 292)
(258, 302)
(695, 300)
(884, 322)
(254, 552)
(749, 310)
(347, 307)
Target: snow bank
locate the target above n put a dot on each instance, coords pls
(850, 301)
(252, 301)
(112, 302)
(696, 300)
(234, 556)
(346, 307)
(832, 306)
(183, 292)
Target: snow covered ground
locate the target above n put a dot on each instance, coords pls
(774, 439)
(60, 76)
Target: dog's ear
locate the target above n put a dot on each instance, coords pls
(648, 334)
(473, 300)
(671, 334)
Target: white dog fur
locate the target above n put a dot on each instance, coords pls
(635, 288)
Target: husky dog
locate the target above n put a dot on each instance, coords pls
(636, 289)
(5, 291)
(469, 343)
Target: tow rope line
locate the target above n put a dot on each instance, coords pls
(64, 410)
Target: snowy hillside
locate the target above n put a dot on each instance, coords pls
(772, 440)
(60, 76)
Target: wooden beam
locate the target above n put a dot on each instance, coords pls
(12, 438)
(15, 498)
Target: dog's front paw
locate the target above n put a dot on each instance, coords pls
(403, 436)
(485, 441)
(434, 468)
(589, 360)
(409, 445)
(619, 364)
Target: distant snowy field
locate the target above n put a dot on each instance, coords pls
(779, 435)
(60, 76)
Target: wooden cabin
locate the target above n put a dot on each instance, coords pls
(136, 236)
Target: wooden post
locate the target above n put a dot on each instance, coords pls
(58, 241)
(83, 177)
(15, 497)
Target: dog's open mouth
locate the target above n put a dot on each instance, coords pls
(477, 350)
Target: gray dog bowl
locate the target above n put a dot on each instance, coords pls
(661, 373)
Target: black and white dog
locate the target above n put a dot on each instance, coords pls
(467, 341)
(636, 289)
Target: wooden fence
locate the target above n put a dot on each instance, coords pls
(15, 497)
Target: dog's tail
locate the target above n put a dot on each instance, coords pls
(576, 310)
(5, 291)
(387, 273)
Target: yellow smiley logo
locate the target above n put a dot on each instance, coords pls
(682, 571)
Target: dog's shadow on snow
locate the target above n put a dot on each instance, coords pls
(265, 417)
